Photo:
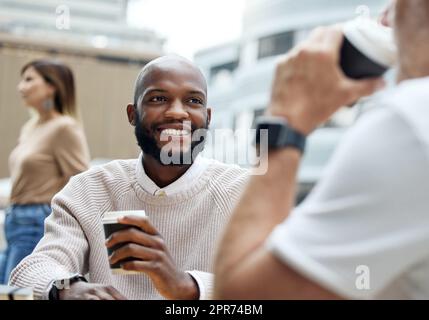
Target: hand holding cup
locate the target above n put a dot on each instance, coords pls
(137, 247)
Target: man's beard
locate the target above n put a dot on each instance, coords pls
(149, 145)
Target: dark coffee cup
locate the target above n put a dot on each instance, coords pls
(368, 49)
(110, 226)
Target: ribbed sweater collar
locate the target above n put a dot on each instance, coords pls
(192, 190)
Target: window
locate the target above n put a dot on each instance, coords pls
(230, 66)
(275, 44)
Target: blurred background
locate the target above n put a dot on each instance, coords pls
(106, 42)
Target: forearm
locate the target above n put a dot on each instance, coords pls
(301, 98)
(253, 219)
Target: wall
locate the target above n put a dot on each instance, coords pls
(103, 90)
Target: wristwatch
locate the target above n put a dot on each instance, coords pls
(58, 285)
(280, 133)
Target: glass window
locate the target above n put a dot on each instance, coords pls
(275, 44)
(230, 66)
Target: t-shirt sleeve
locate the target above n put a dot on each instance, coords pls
(367, 220)
(71, 150)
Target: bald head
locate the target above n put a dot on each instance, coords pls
(170, 94)
(166, 65)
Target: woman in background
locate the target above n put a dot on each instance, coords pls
(51, 148)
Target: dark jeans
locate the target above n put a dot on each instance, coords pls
(24, 227)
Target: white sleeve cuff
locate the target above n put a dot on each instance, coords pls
(205, 282)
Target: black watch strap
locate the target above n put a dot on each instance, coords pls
(58, 285)
(280, 134)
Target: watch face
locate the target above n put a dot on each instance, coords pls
(280, 135)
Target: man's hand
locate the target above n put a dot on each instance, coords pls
(146, 245)
(308, 88)
(90, 291)
(309, 85)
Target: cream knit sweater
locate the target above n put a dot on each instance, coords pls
(190, 222)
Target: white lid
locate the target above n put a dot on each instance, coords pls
(112, 216)
(373, 40)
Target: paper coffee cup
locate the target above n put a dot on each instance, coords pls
(111, 225)
(368, 50)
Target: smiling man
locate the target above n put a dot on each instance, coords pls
(186, 197)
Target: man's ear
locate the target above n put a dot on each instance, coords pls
(209, 115)
(131, 112)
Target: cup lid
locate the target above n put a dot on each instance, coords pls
(113, 216)
(373, 40)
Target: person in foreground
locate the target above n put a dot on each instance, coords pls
(187, 204)
(363, 233)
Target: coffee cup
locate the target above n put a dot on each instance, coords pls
(368, 49)
(110, 226)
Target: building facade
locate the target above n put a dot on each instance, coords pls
(96, 23)
(103, 52)
(240, 73)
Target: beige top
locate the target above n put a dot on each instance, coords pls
(45, 158)
(190, 222)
